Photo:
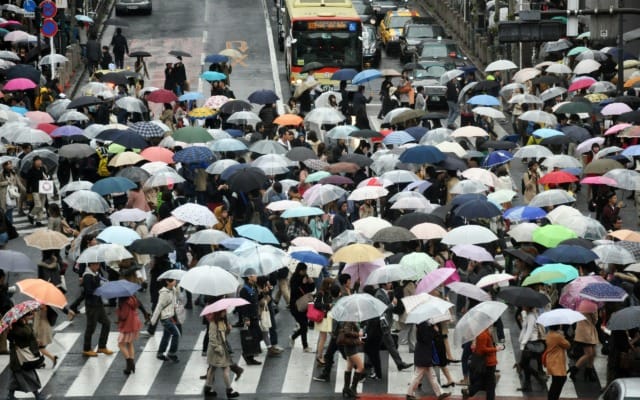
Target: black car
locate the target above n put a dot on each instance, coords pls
(364, 9)
(413, 35)
(371, 45)
(380, 7)
(445, 50)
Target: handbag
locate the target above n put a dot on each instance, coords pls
(250, 344)
(265, 320)
(13, 192)
(27, 359)
(45, 187)
(303, 302)
(313, 314)
(536, 346)
(10, 201)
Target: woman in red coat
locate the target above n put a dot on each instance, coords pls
(129, 326)
(485, 347)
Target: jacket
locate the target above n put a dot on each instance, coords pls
(556, 358)
(21, 335)
(485, 347)
(423, 354)
(128, 319)
(90, 282)
(119, 44)
(7, 179)
(33, 178)
(529, 331)
(249, 311)
(298, 289)
(166, 307)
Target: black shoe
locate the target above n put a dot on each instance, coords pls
(188, 306)
(452, 384)
(253, 361)
(573, 371)
(31, 219)
(404, 365)
(174, 359)
(231, 394)
(162, 357)
(209, 392)
(321, 378)
(374, 377)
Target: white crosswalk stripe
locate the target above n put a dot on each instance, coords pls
(297, 378)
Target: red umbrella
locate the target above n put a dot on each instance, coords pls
(48, 128)
(156, 153)
(582, 83)
(557, 177)
(162, 96)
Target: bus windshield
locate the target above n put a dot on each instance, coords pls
(333, 49)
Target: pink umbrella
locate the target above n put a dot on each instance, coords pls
(570, 295)
(316, 244)
(615, 109)
(19, 84)
(616, 128)
(223, 304)
(582, 83)
(361, 271)
(39, 117)
(599, 180)
(434, 279)
(166, 225)
(10, 22)
(215, 102)
(156, 153)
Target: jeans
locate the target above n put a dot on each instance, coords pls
(9, 215)
(464, 359)
(95, 314)
(454, 112)
(170, 332)
(4, 238)
(557, 382)
(301, 319)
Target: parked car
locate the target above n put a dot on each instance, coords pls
(371, 45)
(445, 50)
(622, 389)
(413, 34)
(365, 11)
(133, 6)
(391, 28)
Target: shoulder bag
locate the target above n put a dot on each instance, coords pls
(303, 302)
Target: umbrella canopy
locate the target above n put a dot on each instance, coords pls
(551, 235)
(194, 155)
(475, 209)
(104, 253)
(116, 289)
(113, 184)
(560, 316)
(87, 201)
(523, 232)
(524, 213)
(313, 243)
(223, 304)
(522, 296)
(626, 319)
(357, 253)
(247, 180)
(472, 252)
(422, 154)
(301, 154)
(613, 254)
(258, 233)
(76, 151)
(421, 263)
(602, 166)
(368, 193)
(207, 237)
(428, 231)
(125, 158)
(552, 197)
(46, 239)
(309, 257)
(393, 234)
(570, 296)
(570, 254)
(469, 290)
(18, 311)
(389, 273)
(434, 279)
(494, 279)
(469, 234)
(43, 292)
(128, 215)
(259, 260)
(118, 235)
(209, 280)
(357, 308)
(603, 292)
(134, 174)
(476, 320)
(195, 214)
(369, 226)
(434, 307)
(224, 259)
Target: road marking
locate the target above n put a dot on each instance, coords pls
(300, 368)
(272, 56)
(190, 382)
(140, 383)
(242, 47)
(94, 370)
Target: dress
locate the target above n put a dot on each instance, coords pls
(24, 380)
(129, 323)
(423, 355)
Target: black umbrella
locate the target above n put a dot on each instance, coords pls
(477, 209)
(522, 296)
(547, 80)
(412, 219)
(247, 180)
(393, 234)
(23, 71)
(557, 45)
(442, 212)
(124, 137)
(365, 134)
(312, 66)
(522, 256)
(234, 106)
(453, 163)
(570, 254)
(136, 174)
(139, 54)
(485, 86)
(497, 145)
(555, 140)
(117, 78)
(263, 96)
(83, 101)
(151, 245)
(301, 153)
(587, 244)
(574, 107)
(355, 158)
(625, 319)
(576, 133)
(631, 116)
(631, 101)
(179, 53)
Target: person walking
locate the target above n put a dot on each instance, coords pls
(165, 312)
(556, 360)
(485, 348)
(249, 314)
(42, 321)
(91, 280)
(452, 102)
(350, 340)
(180, 77)
(93, 53)
(36, 173)
(120, 48)
(10, 189)
(105, 58)
(385, 294)
(300, 284)
(586, 335)
(323, 302)
(129, 326)
(360, 102)
(218, 354)
(423, 359)
(532, 346)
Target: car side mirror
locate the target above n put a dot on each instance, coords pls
(401, 37)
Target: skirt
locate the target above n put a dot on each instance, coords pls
(128, 337)
(24, 381)
(325, 325)
(43, 332)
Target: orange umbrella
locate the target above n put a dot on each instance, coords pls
(156, 153)
(288, 119)
(632, 82)
(42, 291)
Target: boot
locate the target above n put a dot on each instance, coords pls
(133, 365)
(128, 369)
(236, 369)
(573, 373)
(231, 394)
(346, 391)
(357, 377)
(526, 386)
(11, 395)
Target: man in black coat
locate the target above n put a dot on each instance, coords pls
(340, 221)
(91, 281)
(120, 48)
(250, 316)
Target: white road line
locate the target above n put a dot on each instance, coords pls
(139, 383)
(300, 367)
(272, 57)
(94, 370)
(508, 374)
(398, 381)
(190, 382)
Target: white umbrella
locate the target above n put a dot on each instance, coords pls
(451, 147)
(104, 253)
(324, 116)
(508, 89)
(411, 302)
(561, 161)
(221, 258)
(323, 99)
(557, 68)
(72, 116)
(209, 280)
(533, 151)
(476, 320)
(449, 75)
(357, 308)
(313, 243)
(405, 194)
(469, 290)
(526, 74)
(385, 163)
(53, 59)
(469, 131)
(586, 67)
(540, 117)
(195, 214)
(552, 93)
(585, 146)
(468, 186)
(561, 213)
(501, 65)
(489, 112)
(243, 118)
(525, 98)
(369, 226)
(260, 260)
(273, 164)
(128, 215)
(428, 231)
(625, 178)
(560, 316)
(164, 178)
(481, 175)
(73, 185)
(219, 166)
(523, 232)
(368, 193)
(494, 279)
(390, 273)
(207, 236)
(156, 167)
(400, 176)
(436, 136)
(172, 274)
(614, 254)
(393, 113)
(469, 234)
(433, 308)
(472, 252)
(413, 203)
(502, 196)
(283, 205)
(552, 197)
(29, 135)
(87, 201)
(131, 104)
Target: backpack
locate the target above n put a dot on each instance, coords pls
(103, 164)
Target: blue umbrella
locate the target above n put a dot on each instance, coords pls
(213, 76)
(573, 171)
(222, 145)
(263, 96)
(19, 110)
(422, 155)
(496, 158)
(524, 213)
(216, 58)
(463, 198)
(366, 76)
(124, 137)
(258, 233)
(483, 100)
(227, 173)
(113, 184)
(118, 235)
(234, 243)
(114, 289)
(300, 212)
(345, 74)
(67, 130)
(310, 257)
(545, 133)
(603, 292)
(417, 132)
(193, 155)
(236, 133)
(398, 138)
(570, 254)
(477, 209)
(341, 131)
(632, 151)
(191, 96)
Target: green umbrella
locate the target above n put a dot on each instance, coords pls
(316, 176)
(192, 134)
(575, 107)
(584, 35)
(420, 263)
(543, 277)
(551, 235)
(577, 50)
(548, 271)
(560, 19)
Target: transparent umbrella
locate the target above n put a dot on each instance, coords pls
(357, 308)
(552, 197)
(87, 201)
(324, 116)
(625, 178)
(477, 320)
(224, 259)
(259, 260)
(209, 280)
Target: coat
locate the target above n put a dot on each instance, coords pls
(7, 179)
(128, 318)
(486, 347)
(423, 355)
(586, 330)
(218, 350)
(556, 358)
(166, 307)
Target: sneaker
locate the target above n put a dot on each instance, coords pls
(174, 359)
(105, 351)
(90, 353)
(162, 357)
(273, 352)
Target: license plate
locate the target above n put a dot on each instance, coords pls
(132, 7)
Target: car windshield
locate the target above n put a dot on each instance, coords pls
(438, 50)
(340, 49)
(423, 31)
(430, 71)
(398, 21)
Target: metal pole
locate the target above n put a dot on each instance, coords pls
(620, 51)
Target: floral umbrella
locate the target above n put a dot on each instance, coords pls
(16, 312)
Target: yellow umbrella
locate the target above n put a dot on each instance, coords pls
(357, 253)
(233, 53)
(42, 291)
(201, 112)
(596, 97)
(46, 239)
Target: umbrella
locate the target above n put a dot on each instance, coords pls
(324, 116)
(586, 67)
(570, 254)
(428, 231)
(393, 234)
(46, 239)
(43, 292)
(613, 254)
(476, 320)
(500, 65)
(557, 178)
(560, 316)
(128, 215)
(147, 130)
(310, 257)
(207, 236)
(539, 117)
(194, 155)
(313, 243)
(523, 232)
(258, 233)
(301, 212)
(603, 292)
(489, 112)
(422, 154)
(248, 179)
(626, 234)
(365, 76)
(243, 118)
(192, 134)
(18, 84)
(624, 179)
(273, 164)
(87, 201)
(421, 263)
(357, 253)
(222, 145)
(469, 290)
(151, 245)
(526, 74)
(162, 96)
(524, 213)
(552, 273)
(113, 184)
(131, 104)
(576, 107)
(209, 280)
(484, 100)
(118, 235)
(134, 174)
(104, 253)
(323, 194)
(522, 296)
(224, 259)
(172, 274)
(357, 308)
(223, 304)
(552, 92)
(219, 166)
(16, 312)
(195, 214)
(449, 75)
(472, 252)
(163, 178)
(561, 161)
(475, 209)
(551, 235)
(115, 289)
(300, 154)
(602, 166)
(67, 130)
(570, 295)
(434, 279)
(626, 319)
(368, 193)
(345, 74)
(494, 279)
(552, 197)
(369, 226)
(469, 234)
(126, 138)
(428, 308)
(234, 106)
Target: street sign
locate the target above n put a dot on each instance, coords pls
(29, 6)
(49, 28)
(49, 9)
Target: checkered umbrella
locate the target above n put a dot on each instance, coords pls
(147, 130)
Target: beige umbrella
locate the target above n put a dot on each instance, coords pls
(47, 239)
(166, 225)
(233, 53)
(586, 67)
(526, 74)
(357, 253)
(558, 68)
(428, 231)
(390, 72)
(304, 86)
(125, 158)
(452, 147)
(481, 175)
(469, 131)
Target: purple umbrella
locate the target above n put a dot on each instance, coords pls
(361, 271)
(67, 130)
(434, 279)
(615, 109)
(603, 292)
(336, 180)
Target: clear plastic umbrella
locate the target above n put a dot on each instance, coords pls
(222, 258)
(561, 161)
(209, 280)
(324, 116)
(219, 166)
(273, 164)
(348, 237)
(468, 186)
(523, 232)
(477, 320)
(266, 146)
(131, 104)
(552, 197)
(625, 178)
(614, 254)
(163, 179)
(533, 151)
(357, 308)
(552, 92)
(207, 236)
(319, 195)
(72, 116)
(260, 260)
(195, 214)
(104, 253)
(87, 201)
(369, 226)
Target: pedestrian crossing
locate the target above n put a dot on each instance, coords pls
(23, 226)
(290, 373)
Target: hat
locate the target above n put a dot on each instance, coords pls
(392, 90)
